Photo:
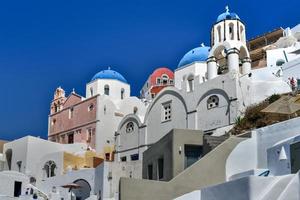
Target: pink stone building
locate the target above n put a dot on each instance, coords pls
(74, 121)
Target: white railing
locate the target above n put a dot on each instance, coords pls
(39, 192)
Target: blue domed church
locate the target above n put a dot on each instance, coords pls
(93, 118)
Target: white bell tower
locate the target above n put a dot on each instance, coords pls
(228, 41)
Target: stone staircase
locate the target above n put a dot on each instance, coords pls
(211, 142)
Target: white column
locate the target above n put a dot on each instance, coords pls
(233, 59)
(212, 70)
(246, 67)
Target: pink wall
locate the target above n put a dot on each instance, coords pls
(82, 120)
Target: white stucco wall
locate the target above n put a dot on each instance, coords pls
(115, 87)
(7, 181)
(97, 179)
(243, 158)
(291, 69)
(31, 151)
(264, 83)
(281, 54)
(196, 69)
(252, 153)
(127, 143)
(109, 114)
(156, 127)
(270, 135)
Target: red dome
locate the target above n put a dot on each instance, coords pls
(159, 73)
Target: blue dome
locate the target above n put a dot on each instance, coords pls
(197, 54)
(227, 15)
(109, 74)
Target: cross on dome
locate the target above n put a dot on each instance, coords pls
(227, 8)
(227, 15)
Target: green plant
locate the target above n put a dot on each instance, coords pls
(273, 98)
(239, 121)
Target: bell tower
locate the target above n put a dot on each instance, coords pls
(229, 50)
(58, 100)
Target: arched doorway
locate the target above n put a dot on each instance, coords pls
(84, 191)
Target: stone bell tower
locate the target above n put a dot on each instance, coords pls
(58, 100)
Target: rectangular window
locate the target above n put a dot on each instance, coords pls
(123, 159)
(150, 172)
(160, 167)
(134, 157)
(192, 153)
(107, 156)
(71, 113)
(71, 138)
(166, 112)
(89, 135)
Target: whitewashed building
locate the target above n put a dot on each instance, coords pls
(213, 87)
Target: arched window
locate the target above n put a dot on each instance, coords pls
(106, 90)
(190, 81)
(242, 33)
(55, 108)
(129, 127)
(231, 31)
(59, 106)
(122, 93)
(219, 33)
(279, 62)
(49, 168)
(158, 81)
(53, 122)
(165, 79)
(212, 102)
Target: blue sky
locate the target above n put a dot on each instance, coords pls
(46, 44)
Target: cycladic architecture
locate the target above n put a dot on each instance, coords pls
(93, 119)
(213, 87)
(107, 144)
